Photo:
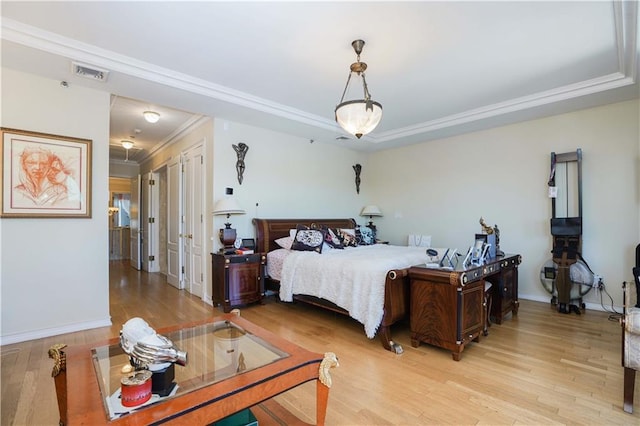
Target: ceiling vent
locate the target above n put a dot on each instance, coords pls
(89, 71)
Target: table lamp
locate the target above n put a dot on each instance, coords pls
(227, 234)
(371, 211)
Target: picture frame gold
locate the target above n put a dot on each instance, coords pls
(45, 175)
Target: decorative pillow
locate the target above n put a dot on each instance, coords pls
(308, 239)
(285, 242)
(332, 239)
(365, 236)
(348, 237)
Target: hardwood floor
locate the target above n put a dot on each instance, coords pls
(540, 367)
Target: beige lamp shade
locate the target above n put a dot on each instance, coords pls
(227, 206)
(371, 211)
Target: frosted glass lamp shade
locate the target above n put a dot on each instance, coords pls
(355, 118)
(151, 116)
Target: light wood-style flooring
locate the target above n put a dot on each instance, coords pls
(538, 368)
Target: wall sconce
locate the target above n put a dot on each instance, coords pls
(371, 211)
(227, 235)
(359, 116)
(151, 116)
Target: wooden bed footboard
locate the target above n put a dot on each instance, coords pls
(396, 298)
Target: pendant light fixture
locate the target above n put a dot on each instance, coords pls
(127, 145)
(358, 116)
(151, 116)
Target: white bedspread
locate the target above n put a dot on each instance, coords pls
(352, 278)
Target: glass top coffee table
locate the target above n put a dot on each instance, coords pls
(232, 365)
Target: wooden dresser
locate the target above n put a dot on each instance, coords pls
(448, 307)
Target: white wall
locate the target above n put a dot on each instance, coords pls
(443, 187)
(124, 170)
(55, 276)
(286, 176)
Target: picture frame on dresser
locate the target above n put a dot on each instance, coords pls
(249, 243)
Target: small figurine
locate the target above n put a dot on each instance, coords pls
(485, 228)
(357, 168)
(241, 150)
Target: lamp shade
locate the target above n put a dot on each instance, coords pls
(227, 206)
(355, 118)
(371, 211)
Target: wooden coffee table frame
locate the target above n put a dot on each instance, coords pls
(81, 402)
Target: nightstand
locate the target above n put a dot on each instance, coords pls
(238, 279)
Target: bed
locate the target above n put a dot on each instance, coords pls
(389, 304)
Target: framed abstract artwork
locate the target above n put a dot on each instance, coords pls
(45, 175)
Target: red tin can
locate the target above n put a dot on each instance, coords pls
(136, 389)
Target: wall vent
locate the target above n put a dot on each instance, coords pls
(89, 71)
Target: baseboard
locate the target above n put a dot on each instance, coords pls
(587, 305)
(9, 339)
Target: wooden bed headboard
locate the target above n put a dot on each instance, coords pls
(269, 230)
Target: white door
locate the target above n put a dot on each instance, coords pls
(193, 221)
(134, 223)
(174, 223)
(148, 218)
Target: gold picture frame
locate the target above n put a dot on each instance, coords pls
(44, 175)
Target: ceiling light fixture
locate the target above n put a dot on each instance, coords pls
(127, 145)
(151, 116)
(358, 116)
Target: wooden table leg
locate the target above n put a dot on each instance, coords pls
(323, 384)
(322, 398)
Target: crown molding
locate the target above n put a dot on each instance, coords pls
(570, 91)
(625, 17)
(46, 41)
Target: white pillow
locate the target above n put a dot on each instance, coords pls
(285, 242)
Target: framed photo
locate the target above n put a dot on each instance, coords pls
(249, 243)
(45, 175)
